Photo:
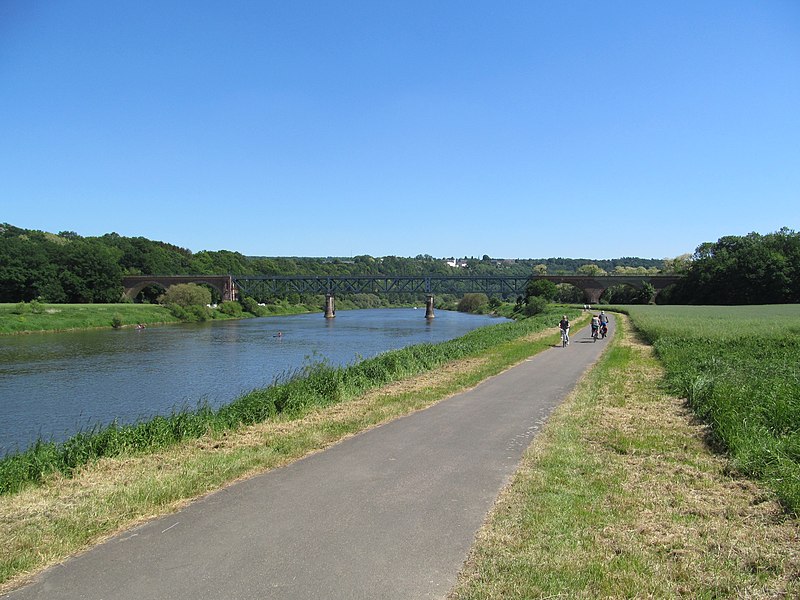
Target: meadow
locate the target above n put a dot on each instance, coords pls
(33, 316)
(739, 368)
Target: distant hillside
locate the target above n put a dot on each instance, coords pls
(66, 267)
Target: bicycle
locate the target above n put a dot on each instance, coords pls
(594, 333)
(564, 338)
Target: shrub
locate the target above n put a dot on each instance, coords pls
(251, 306)
(542, 288)
(199, 312)
(190, 314)
(20, 309)
(186, 295)
(534, 306)
(231, 308)
(116, 321)
(471, 303)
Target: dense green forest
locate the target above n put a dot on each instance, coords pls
(66, 267)
(69, 268)
(751, 269)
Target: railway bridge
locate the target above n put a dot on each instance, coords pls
(231, 287)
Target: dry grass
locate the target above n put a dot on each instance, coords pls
(693, 515)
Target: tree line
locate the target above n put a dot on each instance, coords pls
(68, 268)
(750, 269)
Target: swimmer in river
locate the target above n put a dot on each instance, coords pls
(280, 335)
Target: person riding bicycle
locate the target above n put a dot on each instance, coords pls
(603, 323)
(564, 325)
(595, 325)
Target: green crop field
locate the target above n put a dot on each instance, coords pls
(739, 368)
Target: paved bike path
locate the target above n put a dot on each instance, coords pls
(389, 513)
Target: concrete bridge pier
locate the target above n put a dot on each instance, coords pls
(330, 308)
(429, 308)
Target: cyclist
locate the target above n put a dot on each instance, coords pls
(564, 325)
(595, 326)
(603, 323)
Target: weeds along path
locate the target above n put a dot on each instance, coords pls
(620, 497)
(388, 513)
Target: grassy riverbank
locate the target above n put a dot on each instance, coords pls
(620, 497)
(31, 317)
(56, 514)
(36, 317)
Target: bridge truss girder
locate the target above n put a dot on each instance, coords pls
(265, 286)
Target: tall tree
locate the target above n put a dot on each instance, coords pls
(751, 269)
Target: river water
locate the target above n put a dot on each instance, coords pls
(54, 385)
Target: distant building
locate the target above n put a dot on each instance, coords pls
(458, 263)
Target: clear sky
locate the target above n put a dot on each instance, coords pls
(517, 129)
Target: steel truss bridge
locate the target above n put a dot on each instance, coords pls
(593, 286)
(263, 286)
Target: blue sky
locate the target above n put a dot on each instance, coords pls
(517, 129)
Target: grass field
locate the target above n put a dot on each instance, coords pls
(23, 318)
(739, 367)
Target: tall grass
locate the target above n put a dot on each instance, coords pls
(739, 368)
(315, 385)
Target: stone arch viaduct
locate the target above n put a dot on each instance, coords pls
(133, 284)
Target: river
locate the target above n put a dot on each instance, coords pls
(54, 385)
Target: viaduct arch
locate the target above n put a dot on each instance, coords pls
(594, 286)
(133, 284)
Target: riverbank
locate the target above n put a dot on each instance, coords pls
(36, 318)
(42, 318)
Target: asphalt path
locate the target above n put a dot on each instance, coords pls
(389, 513)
